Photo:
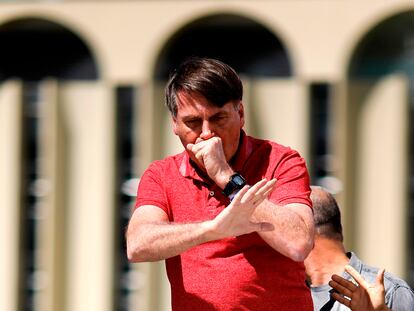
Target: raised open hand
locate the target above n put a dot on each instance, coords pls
(361, 296)
(234, 220)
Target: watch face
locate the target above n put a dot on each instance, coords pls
(238, 180)
(236, 183)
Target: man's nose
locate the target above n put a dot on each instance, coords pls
(206, 131)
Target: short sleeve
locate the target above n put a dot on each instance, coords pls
(292, 180)
(151, 188)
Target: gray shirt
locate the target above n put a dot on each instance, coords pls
(398, 295)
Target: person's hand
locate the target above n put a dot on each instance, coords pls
(209, 155)
(234, 220)
(362, 296)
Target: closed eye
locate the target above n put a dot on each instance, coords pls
(220, 118)
(193, 123)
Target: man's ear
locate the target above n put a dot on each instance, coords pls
(174, 124)
(241, 113)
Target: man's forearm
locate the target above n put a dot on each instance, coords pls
(293, 228)
(151, 237)
(152, 242)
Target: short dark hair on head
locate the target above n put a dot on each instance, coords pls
(326, 214)
(211, 78)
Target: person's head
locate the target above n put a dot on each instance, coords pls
(326, 214)
(204, 97)
(210, 78)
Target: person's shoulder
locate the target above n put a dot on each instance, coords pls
(275, 146)
(167, 162)
(394, 282)
(398, 294)
(396, 289)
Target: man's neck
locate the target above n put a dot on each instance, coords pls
(328, 257)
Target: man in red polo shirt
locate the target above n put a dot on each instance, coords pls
(231, 214)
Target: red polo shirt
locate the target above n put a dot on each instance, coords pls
(238, 273)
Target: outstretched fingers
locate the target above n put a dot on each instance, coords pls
(342, 299)
(267, 188)
(356, 276)
(342, 286)
(236, 218)
(262, 226)
(341, 289)
(379, 280)
(257, 193)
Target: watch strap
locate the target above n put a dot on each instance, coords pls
(236, 182)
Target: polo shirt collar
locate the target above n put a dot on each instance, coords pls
(245, 149)
(354, 261)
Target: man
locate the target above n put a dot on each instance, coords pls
(361, 287)
(227, 246)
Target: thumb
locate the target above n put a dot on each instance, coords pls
(380, 277)
(262, 226)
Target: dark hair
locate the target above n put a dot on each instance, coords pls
(326, 214)
(213, 79)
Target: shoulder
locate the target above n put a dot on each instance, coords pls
(396, 289)
(275, 150)
(259, 142)
(169, 163)
(162, 171)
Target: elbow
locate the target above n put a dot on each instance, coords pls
(299, 255)
(304, 245)
(139, 248)
(132, 255)
(301, 250)
(140, 252)
(135, 254)
(134, 250)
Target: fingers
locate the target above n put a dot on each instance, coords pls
(262, 226)
(380, 277)
(252, 195)
(240, 194)
(342, 286)
(357, 277)
(197, 153)
(267, 188)
(200, 144)
(345, 301)
(343, 289)
(256, 193)
(344, 282)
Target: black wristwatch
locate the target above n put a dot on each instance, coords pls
(236, 182)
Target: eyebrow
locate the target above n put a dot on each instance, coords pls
(194, 117)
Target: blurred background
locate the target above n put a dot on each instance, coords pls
(82, 115)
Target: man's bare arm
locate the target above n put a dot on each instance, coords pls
(293, 233)
(293, 223)
(150, 236)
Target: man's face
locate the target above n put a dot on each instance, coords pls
(199, 120)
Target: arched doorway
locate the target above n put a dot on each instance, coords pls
(35, 48)
(249, 47)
